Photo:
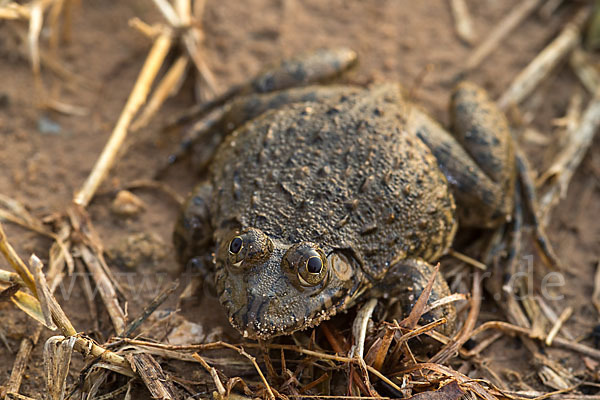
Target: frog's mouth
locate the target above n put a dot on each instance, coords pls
(264, 302)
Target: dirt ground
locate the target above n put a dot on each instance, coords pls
(46, 156)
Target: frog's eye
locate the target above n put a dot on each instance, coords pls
(307, 262)
(236, 245)
(249, 247)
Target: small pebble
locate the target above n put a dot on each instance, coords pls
(48, 126)
(127, 204)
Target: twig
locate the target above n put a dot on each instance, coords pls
(17, 396)
(359, 327)
(44, 295)
(419, 330)
(452, 298)
(585, 69)
(4, 341)
(22, 360)
(163, 90)
(54, 16)
(564, 316)
(466, 259)
(482, 345)
(136, 99)
(153, 376)
(160, 186)
(105, 288)
(17, 213)
(541, 66)
(213, 373)
(151, 31)
(451, 348)
(503, 28)
(418, 309)
(462, 21)
(549, 7)
(57, 360)
(85, 346)
(168, 12)
(88, 292)
(562, 169)
(35, 27)
(54, 275)
(558, 341)
(552, 317)
(16, 262)
(11, 278)
(14, 10)
(149, 309)
(596, 293)
(262, 376)
(314, 383)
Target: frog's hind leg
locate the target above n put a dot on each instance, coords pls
(318, 66)
(205, 136)
(483, 131)
(477, 160)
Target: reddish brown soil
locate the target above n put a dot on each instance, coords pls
(408, 41)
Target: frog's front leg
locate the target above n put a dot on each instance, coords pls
(404, 283)
(478, 161)
(193, 234)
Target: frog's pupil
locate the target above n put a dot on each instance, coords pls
(236, 245)
(314, 265)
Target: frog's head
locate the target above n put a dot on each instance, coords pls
(271, 288)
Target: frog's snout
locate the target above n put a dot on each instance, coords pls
(271, 307)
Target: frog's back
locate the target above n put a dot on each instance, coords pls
(344, 175)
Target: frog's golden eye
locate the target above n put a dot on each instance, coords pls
(307, 262)
(236, 244)
(312, 271)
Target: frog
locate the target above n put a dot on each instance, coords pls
(319, 196)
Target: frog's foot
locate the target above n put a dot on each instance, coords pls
(199, 278)
(193, 234)
(404, 283)
(530, 200)
(217, 116)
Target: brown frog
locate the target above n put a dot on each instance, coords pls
(325, 195)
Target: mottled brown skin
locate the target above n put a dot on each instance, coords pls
(316, 204)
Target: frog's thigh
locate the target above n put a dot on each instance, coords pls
(248, 107)
(480, 201)
(193, 232)
(406, 280)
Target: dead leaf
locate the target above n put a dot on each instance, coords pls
(450, 391)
